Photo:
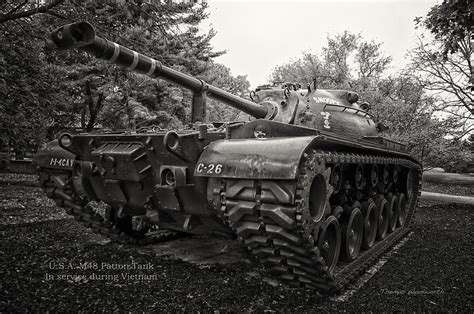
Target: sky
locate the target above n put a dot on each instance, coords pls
(259, 35)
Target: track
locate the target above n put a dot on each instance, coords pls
(58, 186)
(272, 220)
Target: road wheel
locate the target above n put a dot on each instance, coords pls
(383, 217)
(402, 209)
(369, 211)
(329, 242)
(352, 227)
(392, 212)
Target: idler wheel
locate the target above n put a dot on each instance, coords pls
(392, 212)
(317, 197)
(329, 242)
(402, 209)
(369, 211)
(382, 218)
(352, 227)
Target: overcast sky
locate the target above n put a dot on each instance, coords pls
(259, 35)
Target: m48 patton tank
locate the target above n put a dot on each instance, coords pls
(308, 185)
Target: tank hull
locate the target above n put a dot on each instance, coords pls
(280, 195)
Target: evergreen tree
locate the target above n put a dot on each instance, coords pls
(45, 90)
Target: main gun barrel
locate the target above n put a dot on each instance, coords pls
(82, 35)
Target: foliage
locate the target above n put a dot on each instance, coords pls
(400, 102)
(302, 70)
(446, 77)
(45, 90)
(31, 102)
(167, 31)
(347, 60)
(444, 65)
(406, 109)
(451, 22)
(336, 56)
(221, 77)
(371, 62)
(14, 10)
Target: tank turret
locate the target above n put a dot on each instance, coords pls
(332, 110)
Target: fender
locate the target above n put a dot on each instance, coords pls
(52, 156)
(269, 158)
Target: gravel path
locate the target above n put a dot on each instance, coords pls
(22, 204)
(431, 272)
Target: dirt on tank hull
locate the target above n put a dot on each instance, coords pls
(309, 186)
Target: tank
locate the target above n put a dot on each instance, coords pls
(307, 183)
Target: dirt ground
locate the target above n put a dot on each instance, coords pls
(51, 262)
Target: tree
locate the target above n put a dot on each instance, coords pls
(444, 65)
(346, 62)
(302, 70)
(371, 63)
(45, 90)
(32, 102)
(165, 30)
(447, 77)
(14, 10)
(336, 56)
(451, 22)
(220, 76)
(400, 102)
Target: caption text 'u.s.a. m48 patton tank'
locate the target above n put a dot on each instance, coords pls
(308, 186)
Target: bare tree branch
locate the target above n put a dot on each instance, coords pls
(17, 7)
(13, 14)
(445, 74)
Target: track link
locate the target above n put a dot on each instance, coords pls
(272, 220)
(58, 186)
